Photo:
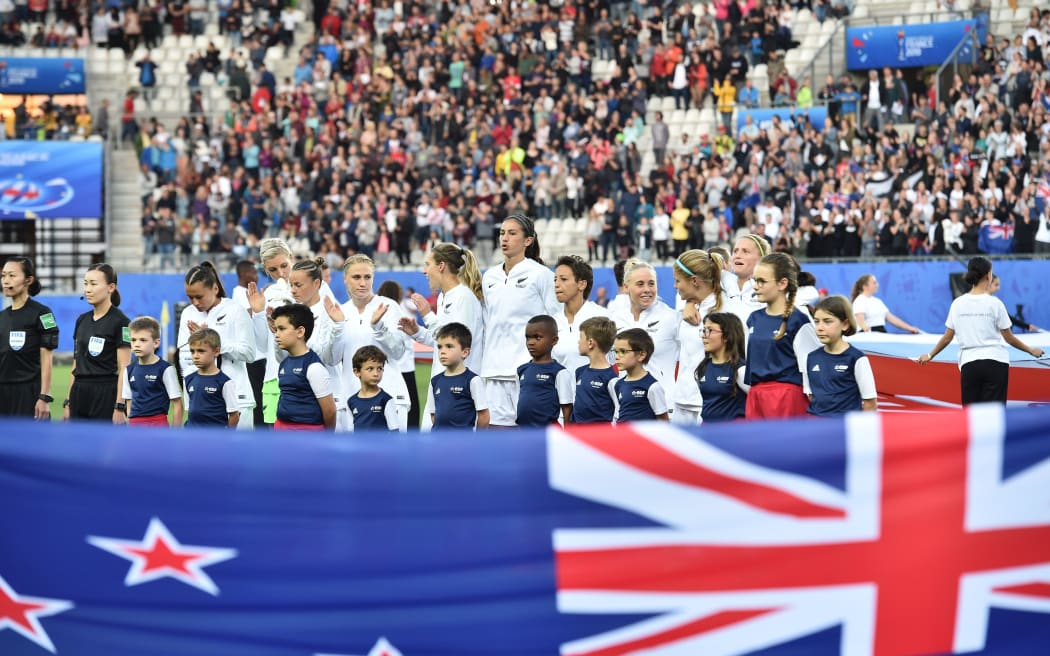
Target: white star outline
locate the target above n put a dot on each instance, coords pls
(157, 531)
(38, 635)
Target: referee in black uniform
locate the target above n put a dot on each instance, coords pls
(101, 351)
(28, 336)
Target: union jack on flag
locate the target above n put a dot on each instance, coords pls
(928, 527)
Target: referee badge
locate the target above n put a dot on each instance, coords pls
(17, 339)
(95, 345)
(47, 321)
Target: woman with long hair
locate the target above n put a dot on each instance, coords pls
(698, 280)
(872, 314)
(372, 320)
(646, 311)
(326, 340)
(981, 323)
(28, 337)
(453, 273)
(514, 291)
(740, 284)
(210, 308)
(101, 351)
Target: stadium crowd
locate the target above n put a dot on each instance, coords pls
(405, 124)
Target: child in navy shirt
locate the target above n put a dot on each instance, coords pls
(457, 395)
(544, 385)
(780, 336)
(637, 395)
(837, 378)
(212, 395)
(371, 408)
(151, 385)
(306, 402)
(592, 402)
(721, 373)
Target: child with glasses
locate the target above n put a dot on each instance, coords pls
(720, 375)
(637, 396)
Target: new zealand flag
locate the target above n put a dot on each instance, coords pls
(880, 534)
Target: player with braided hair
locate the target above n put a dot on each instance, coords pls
(780, 337)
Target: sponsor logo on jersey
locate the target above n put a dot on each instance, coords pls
(842, 368)
(816, 367)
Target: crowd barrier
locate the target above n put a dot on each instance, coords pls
(873, 534)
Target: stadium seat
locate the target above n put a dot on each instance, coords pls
(667, 105)
(677, 117)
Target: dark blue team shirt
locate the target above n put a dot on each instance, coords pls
(149, 397)
(538, 403)
(453, 402)
(833, 382)
(633, 397)
(770, 360)
(723, 399)
(370, 413)
(207, 406)
(593, 402)
(298, 404)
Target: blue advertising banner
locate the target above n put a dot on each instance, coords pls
(50, 75)
(763, 118)
(50, 179)
(877, 534)
(907, 46)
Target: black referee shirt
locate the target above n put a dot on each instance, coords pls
(96, 343)
(23, 332)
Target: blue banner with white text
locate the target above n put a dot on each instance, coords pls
(43, 75)
(891, 534)
(909, 46)
(50, 179)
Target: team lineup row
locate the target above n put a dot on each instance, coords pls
(515, 347)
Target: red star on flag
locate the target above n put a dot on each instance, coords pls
(22, 614)
(160, 555)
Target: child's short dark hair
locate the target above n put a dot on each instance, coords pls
(208, 337)
(298, 315)
(639, 340)
(602, 330)
(547, 321)
(141, 324)
(366, 353)
(456, 331)
(840, 308)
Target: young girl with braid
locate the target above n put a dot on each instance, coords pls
(780, 337)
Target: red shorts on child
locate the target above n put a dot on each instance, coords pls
(775, 400)
(152, 420)
(292, 426)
